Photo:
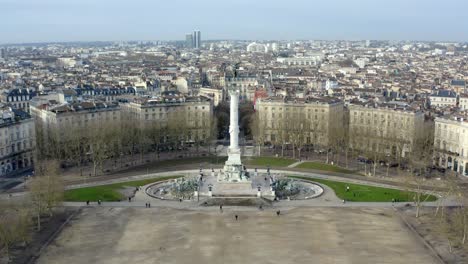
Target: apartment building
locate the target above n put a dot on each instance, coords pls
(384, 129)
(193, 115)
(17, 141)
(311, 121)
(451, 143)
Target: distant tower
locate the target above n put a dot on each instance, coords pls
(196, 39)
(189, 41)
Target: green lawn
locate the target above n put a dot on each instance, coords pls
(365, 193)
(322, 166)
(108, 192)
(273, 162)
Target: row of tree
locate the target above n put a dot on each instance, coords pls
(116, 140)
(338, 142)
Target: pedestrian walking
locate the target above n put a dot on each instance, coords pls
(149, 205)
(129, 199)
(146, 205)
(87, 202)
(99, 202)
(278, 212)
(236, 217)
(221, 208)
(347, 188)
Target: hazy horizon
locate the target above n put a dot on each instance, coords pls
(34, 21)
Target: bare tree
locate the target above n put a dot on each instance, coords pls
(76, 144)
(129, 137)
(281, 129)
(417, 186)
(258, 131)
(295, 127)
(15, 223)
(180, 128)
(45, 189)
(7, 231)
(212, 133)
(154, 134)
(445, 227)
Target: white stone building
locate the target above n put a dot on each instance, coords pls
(307, 121)
(17, 141)
(257, 47)
(246, 86)
(385, 130)
(55, 120)
(451, 144)
(192, 114)
(311, 60)
(463, 102)
(443, 98)
(214, 93)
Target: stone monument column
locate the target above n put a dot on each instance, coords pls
(234, 124)
(233, 169)
(234, 150)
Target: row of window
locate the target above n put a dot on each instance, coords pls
(18, 98)
(294, 109)
(19, 146)
(383, 116)
(86, 116)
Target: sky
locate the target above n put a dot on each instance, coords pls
(117, 20)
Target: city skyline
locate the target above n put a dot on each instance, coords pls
(53, 21)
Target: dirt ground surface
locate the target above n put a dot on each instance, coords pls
(426, 226)
(23, 254)
(302, 235)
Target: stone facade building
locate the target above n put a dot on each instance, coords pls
(192, 115)
(384, 129)
(443, 98)
(451, 144)
(246, 85)
(18, 98)
(308, 121)
(50, 115)
(17, 141)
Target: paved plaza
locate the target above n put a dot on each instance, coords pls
(302, 235)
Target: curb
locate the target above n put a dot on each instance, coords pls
(36, 256)
(434, 252)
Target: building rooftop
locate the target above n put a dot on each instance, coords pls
(444, 93)
(307, 100)
(12, 116)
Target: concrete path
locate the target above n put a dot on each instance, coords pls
(283, 172)
(283, 205)
(295, 164)
(328, 199)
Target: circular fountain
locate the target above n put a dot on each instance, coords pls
(292, 189)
